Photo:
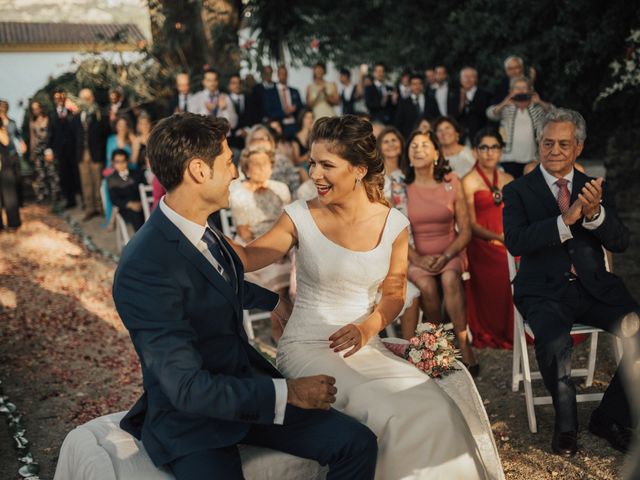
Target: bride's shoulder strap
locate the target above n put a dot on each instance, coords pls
(297, 212)
(396, 223)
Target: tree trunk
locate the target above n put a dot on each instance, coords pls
(220, 21)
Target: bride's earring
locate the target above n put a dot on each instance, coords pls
(358, 181)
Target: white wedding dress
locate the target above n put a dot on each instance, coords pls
(426, 429)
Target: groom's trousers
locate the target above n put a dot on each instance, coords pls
(551, 321)
(329, 437)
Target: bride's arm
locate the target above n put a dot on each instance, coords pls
(393, 293)
(268, 248)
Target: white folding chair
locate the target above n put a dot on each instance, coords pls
(122, 232)
(521, 370)
(146, 199)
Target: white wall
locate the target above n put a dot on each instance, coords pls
(24, 73)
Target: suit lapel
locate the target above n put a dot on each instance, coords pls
(191, 253)
(537, 183)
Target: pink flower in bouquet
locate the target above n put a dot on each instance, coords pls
(444, 362)
(427, 354)
(415, 341)
(420, 365)
(429, 364)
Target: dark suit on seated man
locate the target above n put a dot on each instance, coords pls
(559, 221)
(180, 291)
(123, 185)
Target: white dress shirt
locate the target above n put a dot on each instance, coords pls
(442, 92)
(563, 229)
(471, 93)
(194, 233)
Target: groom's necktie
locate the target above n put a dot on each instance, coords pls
(222, 257)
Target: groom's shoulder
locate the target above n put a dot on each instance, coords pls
(148, 244)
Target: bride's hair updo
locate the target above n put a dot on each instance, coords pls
(351, 137)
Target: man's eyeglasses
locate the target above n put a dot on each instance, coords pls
(486, 148)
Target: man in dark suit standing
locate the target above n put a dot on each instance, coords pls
(239, 100)
(91, 128)
(559, 221)
(415, 107)
(180, 101)
(445, 95)
(180, 291)
(61, 146)
(256, 107)
(283, 103)
(473, 104)
(380, 97)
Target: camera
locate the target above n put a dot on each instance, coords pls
(521, 97)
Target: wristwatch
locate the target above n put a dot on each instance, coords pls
(595, 217)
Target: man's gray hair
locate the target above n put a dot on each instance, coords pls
(513, 57)
(565, 115)
(524, 79)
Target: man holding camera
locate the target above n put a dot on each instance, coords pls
(520, 115)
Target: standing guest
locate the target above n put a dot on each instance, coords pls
(256, 204)
(283, 169)
(489, 300)
(301, 140)
(520, 115)
(380, 97)
(322, 95)
(47, 183)
(447, 98)
(460, 157)
(403, 86)
(513, 68)
(349, 92)
(239, 100)
(139, 141)
(118, 108)
(18, 144)
(432, 197)
(558, 221)
(180, 101)
(416, 107)
(211, 101)
(124, 190)
(472, 108)
(257, 111)
(283, 103)
(61, 148)
(91, 128)
(9, 178)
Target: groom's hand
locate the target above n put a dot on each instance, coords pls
(317, 392)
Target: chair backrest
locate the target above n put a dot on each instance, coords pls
(122, 233)
(146, 198)
(226, 220)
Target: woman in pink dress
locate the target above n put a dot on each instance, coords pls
(437, 210)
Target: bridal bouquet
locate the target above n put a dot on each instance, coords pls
(430, 350)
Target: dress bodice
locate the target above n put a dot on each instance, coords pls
(335, 285)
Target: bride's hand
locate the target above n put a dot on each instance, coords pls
(350, 336)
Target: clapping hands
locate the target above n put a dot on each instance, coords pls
(587, 204)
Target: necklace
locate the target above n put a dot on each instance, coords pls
(493, 187)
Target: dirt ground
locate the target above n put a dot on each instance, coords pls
(65, 358)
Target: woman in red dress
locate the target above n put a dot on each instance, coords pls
(489, 302)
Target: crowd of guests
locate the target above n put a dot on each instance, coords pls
(448, 149)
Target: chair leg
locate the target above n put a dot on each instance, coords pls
(516, 372)
(591, 366)
(528, 390)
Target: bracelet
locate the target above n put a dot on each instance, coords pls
(448, 256)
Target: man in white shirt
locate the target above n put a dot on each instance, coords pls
(211, 101)
(180, 291)
(560, 221)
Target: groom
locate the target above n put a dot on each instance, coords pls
(180, 291)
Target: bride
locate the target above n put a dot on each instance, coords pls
(351, 273)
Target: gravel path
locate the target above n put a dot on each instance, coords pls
(65, 358)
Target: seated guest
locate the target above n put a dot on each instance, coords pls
(391, 145)
(531, 166)
(459, 156)
(489, 301)
(520, 115)
(558, 221)
(124, 191)
(122, 139)
(283, 169)
(256, 204)
(301, 139)
(433, 200)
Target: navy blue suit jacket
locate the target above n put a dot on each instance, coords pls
(273, 106)
(530, 231)
(204, 385)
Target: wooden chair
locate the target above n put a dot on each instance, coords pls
(146, 199)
